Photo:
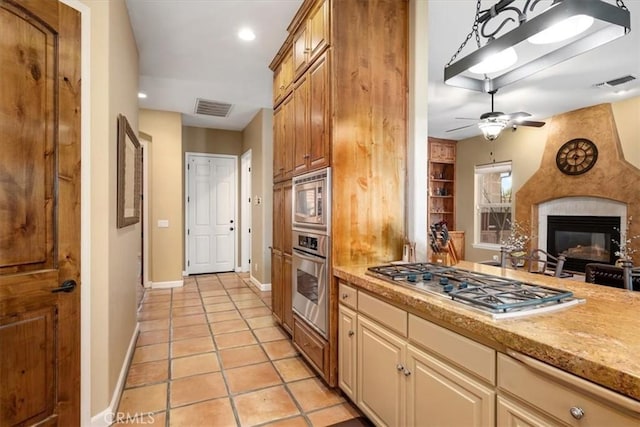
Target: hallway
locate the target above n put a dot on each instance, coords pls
(210, 354)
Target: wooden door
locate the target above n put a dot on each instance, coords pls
(318, 151)
(278, 143)
(301, 116)
(39, 213)
(347, 351)
(287, 141)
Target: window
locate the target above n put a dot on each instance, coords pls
(493, 197)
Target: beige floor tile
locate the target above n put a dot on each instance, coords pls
(272, 333)
(147, 373)
(215, 300)
(249, 303)
(152, 337)
(193, 365)
(237, 291)
(215, 308)
(293, 369)
(234, 285)
(213, 285)
(251, 377)
(333, 415)
(150, 353)
(186, 311)
(249, 313)
(213, 293)
(244, 296)
(216, 413)
(289, 422)
(153, 315)
(194, 319)
(191, 331)
(150, 306)
(279, 349)
(234, 339)
(242, 356)
(146, 399)
(154, 325)
(261, 322)
(156, 299)
(196, 389)
(191, 346)
(264, 405)
(229, 326)
(188, 302)
(312, 394)
(223, 315)
(158, 419)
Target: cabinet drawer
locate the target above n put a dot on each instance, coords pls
(557, 393)
(470, 355)
(348, 295)
(313, 346)
(383, 313)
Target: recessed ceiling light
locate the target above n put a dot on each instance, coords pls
(246, 34)
(142, 95)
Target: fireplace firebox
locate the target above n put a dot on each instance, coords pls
(583, 239)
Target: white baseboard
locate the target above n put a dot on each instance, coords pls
(264, 287)
(165, 285)
(106, 417)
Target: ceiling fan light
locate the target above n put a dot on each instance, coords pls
(498, 62)
(563, 30)
(492, 127)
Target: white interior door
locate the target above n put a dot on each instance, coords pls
(245, 211)
(211, 213)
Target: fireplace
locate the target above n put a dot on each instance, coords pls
(583, 239)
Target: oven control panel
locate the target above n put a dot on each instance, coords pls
(312, 243)
(308, 242)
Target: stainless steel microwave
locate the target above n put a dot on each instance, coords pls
(312, 200)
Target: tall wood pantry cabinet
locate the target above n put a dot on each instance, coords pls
(345, 107)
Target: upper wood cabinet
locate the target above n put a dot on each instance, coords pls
(283, 78)
(283, 140)
(312, 37)
(311, 99)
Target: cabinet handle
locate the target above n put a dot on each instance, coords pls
(576, 412)
(399, 367)
(351, 333)
(406, 372)
(345, 296)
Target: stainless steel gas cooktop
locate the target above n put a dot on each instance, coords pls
(496, 296)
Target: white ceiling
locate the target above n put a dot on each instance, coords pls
(189, 49)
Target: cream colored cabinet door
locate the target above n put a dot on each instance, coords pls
(513, 414)
(347, 351)
(381, 382)
(440, 395)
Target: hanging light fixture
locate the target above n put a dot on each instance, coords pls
(492, 126)
(565, 29)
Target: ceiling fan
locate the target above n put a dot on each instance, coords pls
(493, 122)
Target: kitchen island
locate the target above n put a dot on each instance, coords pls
(597, 340)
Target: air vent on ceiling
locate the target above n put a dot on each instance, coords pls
(212, 108)
(615, 82)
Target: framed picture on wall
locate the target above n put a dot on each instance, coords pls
(129, 174)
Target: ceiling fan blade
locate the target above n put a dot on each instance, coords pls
(466, 118)
(461, 127)
(530, 123)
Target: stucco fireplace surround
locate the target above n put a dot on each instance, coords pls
(610, 188)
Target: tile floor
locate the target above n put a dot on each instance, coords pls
(210, 354)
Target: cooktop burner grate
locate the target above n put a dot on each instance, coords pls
(499, 296)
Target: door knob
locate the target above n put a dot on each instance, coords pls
(231, 222)
(67, 286)
(230, 228)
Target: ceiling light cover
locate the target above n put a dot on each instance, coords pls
(564, 30)
(614, 22)
(142, 95)
(492, 126)
(498, 62)
(246, 34)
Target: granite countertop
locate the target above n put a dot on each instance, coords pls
(598, 340)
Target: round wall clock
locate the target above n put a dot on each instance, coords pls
(577, 156)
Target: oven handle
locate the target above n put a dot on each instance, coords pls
(312, 258)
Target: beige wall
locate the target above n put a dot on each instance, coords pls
(165, 186)
(524, 148)
(258, 137)
(114, 252)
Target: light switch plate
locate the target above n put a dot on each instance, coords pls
(163, 223)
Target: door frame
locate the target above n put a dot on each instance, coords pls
(145, 142)
(245, 211)
(187, 157)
